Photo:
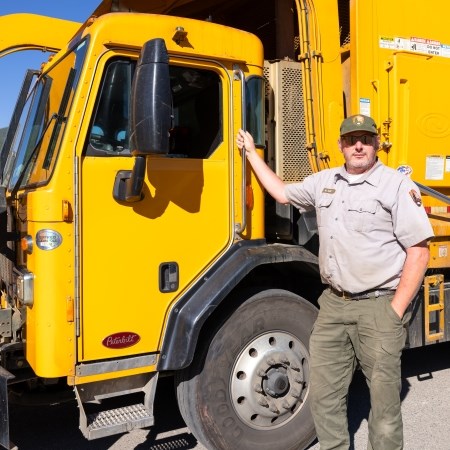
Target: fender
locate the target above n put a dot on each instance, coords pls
(191, 311)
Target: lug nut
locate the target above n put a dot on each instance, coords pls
(262, 401)
(295, 393)
(270, 361)
(258, 388)
(274, 409)
(261, 373)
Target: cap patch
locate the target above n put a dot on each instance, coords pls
(358, 120)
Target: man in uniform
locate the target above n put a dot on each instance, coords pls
(373, 254)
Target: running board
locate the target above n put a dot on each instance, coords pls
(107, 422)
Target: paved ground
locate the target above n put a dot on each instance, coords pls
(426, 413)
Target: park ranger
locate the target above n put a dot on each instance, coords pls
(373, 254)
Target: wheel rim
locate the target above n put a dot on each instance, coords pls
(270, 380)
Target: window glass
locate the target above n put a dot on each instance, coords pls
(110, 132)
(197, 117)
(43, 121)
(196, 108)
(255, 95)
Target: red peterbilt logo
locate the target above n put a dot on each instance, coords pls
(123, 339)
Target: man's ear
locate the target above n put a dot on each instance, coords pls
(339, 143)
(377, 143)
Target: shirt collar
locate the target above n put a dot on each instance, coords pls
(372, 177)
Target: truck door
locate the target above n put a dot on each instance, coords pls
(137, 258)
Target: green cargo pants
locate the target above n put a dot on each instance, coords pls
(347, 332)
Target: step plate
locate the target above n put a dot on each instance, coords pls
(120, 420)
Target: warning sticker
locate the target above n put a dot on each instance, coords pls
(434, 169)
(416, 45)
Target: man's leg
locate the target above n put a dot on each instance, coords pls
(381, 340)
(332, 367)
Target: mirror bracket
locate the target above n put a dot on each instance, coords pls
(128, 183)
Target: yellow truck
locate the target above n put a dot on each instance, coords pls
(136, 242)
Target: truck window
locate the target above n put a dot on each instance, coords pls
(197, 112)
(109, 130)
(43, 120)
(255, 109)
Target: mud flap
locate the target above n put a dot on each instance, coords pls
(4, 411)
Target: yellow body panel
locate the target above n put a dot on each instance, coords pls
(31, 31)
(401, 65)
(321, 47)
(184, 218)
(50, 330)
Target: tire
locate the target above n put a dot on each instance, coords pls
(248, 385)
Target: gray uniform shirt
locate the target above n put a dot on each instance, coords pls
(364, 226)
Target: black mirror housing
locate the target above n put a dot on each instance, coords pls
(151, 101)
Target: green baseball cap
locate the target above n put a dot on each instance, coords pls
(358, 122)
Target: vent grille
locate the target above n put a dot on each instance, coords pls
(287, 140)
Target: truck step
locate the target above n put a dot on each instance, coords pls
(117, 405)
(119, 420)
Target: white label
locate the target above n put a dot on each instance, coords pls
(442, 251)
(434, 167)
(415, 45)
(364, 106)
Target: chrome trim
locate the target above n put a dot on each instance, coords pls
(96, 368)
(25, 286)
(240, 75)
(76, 244)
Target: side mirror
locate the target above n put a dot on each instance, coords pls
(150, 117)
(151, 101)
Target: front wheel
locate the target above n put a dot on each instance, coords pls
(248, 386)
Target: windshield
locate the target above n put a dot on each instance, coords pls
(34, 148)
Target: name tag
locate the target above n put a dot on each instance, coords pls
(329, 191)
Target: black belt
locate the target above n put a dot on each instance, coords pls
(374, 293)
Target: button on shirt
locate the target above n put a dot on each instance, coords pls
(364, 226)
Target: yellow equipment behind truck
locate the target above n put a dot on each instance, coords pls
(136, 242)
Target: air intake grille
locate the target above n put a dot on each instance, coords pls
(287, 135)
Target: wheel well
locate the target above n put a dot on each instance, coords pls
(293, 276)
(246, 265)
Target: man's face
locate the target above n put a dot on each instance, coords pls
(360, 150)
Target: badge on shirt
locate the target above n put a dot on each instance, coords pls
(416, 197)
(329, 191)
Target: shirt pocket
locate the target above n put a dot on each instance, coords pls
(323, 209)
(361, 215)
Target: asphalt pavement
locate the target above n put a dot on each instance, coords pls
(425, 405)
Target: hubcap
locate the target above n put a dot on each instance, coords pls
(270, 380)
